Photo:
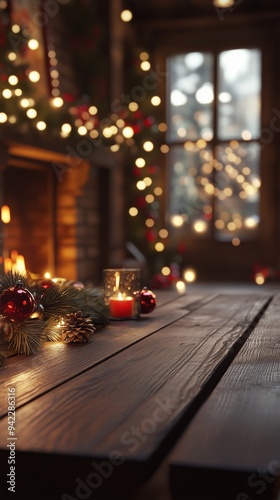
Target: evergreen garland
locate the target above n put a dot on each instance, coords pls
(56, 303)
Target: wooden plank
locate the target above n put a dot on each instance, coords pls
(74, 359)
(134, 403)
(232, 447)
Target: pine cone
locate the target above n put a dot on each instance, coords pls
(77, 328)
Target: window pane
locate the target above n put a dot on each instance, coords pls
(190, 97)
(239, 86)
(191, 188)
(237, 183)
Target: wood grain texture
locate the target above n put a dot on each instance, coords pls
(58, 362)
(233, 443)
(136, 401)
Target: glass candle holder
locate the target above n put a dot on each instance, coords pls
(121, 292)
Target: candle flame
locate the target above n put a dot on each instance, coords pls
(15, 263)
(118, 277)
(5, 214)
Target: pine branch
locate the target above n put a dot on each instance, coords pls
(27, 337)
(59, 300)
(65, 298)
(10, 279)
(52, 331)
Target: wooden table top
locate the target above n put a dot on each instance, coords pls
(100, 420)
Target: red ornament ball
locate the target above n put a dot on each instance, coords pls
(17, 303)
(147, 301)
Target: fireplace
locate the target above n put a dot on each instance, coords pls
(61, 222)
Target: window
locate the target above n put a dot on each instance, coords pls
(214, 128)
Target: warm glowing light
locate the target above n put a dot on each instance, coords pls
(150, 198)
(256, 183)
(251, 222)
(47, 275)
(166, 271)
(41, 125)
(128, 132)
(120, 123)
(115, 148)
(163, 233)
(34, 76)
(15, 28)
(133, 106)
(24, 103)
(94, 134)
(150, 222)
(141, 185)
(12, 56)
(140, 162)
(162, 127)
(190, 275)
(5, 214)
(144, 56)
(219, 224)
(164, 148)
(126, 16)
(177, 220)
(159, 247)
(181, 286)
(155, 100)
(8, 265)
(259, 279)
(148, 181)
(145, 65)
(181, 132)
(82, 130)
(33, 44)
(231, 226)
(148, 146)
(200, 226)
(201, 143)
(246, 135)
(31, 113)
(209, 188)
(158, 191)
(223, 4)
(20, 265)
(3, 117)
(107, 132)
(114, 129)
(66, 128)
(13, 80)
(7, 93)
(93, 110)
(57, 102)
(133, 211)
(235, 242)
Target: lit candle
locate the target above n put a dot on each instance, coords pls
(5, 214)
(121, 306)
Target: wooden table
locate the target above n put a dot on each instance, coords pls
(183, 403)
